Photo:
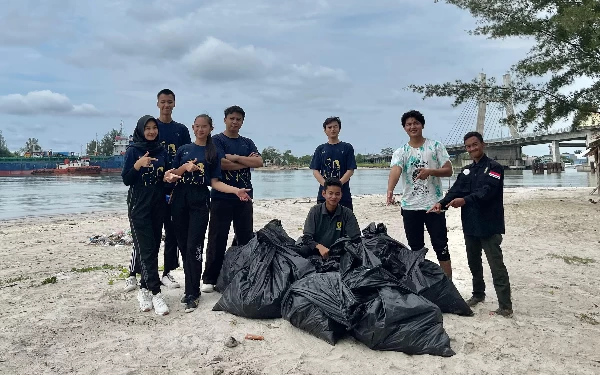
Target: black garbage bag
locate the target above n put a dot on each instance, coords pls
(322, 305)
(420, 275)
(364, 282)
(257, 289)
(355, 255)
(403, 322)
(440, 290)
(236, 258)
(322, 265)
(395, 256)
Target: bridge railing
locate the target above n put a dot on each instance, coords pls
(521, 136)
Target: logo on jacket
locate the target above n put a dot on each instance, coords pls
(495, 175)
(338, 225)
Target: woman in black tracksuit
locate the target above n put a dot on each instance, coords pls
(143, 172)
(199, 166)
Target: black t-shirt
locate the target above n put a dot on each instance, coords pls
(207, 170)
(241, 179)
(173, 135)
(334, 161)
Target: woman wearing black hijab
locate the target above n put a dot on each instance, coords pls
(144, 173)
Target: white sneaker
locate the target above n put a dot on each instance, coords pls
(169, 281)
(130, 284)
(207, 288)
(144, 297)
(160, 306)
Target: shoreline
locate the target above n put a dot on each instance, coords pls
(298, 200)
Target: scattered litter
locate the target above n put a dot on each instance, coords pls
(231, 342)
(250, 336)
(120, 238)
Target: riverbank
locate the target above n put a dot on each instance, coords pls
(58, 320)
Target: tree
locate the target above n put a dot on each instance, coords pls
(107, 144)
(388, 151)
(305, 160)
(4, 151)
(272, 154)
(567, 47)
(91, 148)
(288, 159)
(32, 145)
(360, 158)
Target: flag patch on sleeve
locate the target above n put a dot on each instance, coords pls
(495, 175)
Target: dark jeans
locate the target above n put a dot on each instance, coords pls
(171, 255)
(222, 213)
(190, 210)
(146, 231)
(414, 220)
(347, 204)
(493, 252)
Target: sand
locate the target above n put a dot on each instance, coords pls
(82, 324)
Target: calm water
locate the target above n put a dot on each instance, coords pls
(51, 195)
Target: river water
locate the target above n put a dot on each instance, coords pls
(52, 195)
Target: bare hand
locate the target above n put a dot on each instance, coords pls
(191, 166)
(390, 197)
(456, 203)
(254, 155)
(232, 157)
(423, 173)
(144, 161)
(323, 251)
(243, 194)
(170, 176)
(437, 208)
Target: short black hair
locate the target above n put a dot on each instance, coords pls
(473, 134)
(234, 109)
(414, 114)
(332, 181)
(329, 120)
(165, 92)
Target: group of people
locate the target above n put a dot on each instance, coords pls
(169, 175)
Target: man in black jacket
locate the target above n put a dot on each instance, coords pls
(478, 190)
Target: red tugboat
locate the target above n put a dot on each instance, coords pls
(79, 167)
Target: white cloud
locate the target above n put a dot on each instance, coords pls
(44, 102)
(284, 62)
(217, 61)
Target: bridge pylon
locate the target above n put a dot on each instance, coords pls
(509, 107)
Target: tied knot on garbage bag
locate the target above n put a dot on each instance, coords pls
(375, 289)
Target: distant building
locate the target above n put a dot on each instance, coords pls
(121, 144)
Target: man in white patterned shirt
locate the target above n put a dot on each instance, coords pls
(421, 162)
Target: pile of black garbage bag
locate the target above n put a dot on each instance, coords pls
(375, 289)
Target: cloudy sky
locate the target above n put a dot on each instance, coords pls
(71, 69)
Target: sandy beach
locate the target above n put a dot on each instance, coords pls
(55, 321)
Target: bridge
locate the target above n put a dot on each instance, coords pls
(543, 137)
(504, 142)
